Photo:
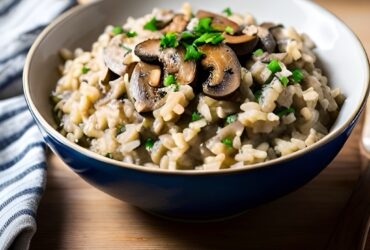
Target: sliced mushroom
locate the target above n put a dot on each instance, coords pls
(218, 22)
(241, 44)
(173, 60)
(149, 50)
(114, 55)
(224, 67)
(145, 97)
(267, 39)
(178, 24)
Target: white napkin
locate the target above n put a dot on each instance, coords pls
(22, 150)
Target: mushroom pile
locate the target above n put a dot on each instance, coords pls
(207, 57)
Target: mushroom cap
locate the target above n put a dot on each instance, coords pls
(173, 60)
(177, 25)
(145, 97)
(224, 67)
(241, 44)
(218, 22)
(114, 55)
(148, 50)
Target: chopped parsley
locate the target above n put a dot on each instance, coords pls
(228, 142)
(203, 33)
(283, 111)
(297, 75)
(227, 11)
(85, 69)
(195, 116)
(258, 52)
(204, 26)
(258, 95)
(125, 47)
(121, 128)
(284, 81)
(169, 80)
(192, 52)
(274, 66)
(151, 25)
(117, 30)
(187, 35)
(169, 40)
(213, 38)
(131, 33)
(229, 30)
(231, 118)
(149, 143)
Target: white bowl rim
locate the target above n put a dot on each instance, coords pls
(63, 140)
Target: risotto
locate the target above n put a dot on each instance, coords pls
(183, 91)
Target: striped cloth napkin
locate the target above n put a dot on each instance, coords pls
(22, 150)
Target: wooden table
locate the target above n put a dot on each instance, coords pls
(74, 215)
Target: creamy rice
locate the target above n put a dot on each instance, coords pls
(269, 115)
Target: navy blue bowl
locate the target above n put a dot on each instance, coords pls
(197, 195)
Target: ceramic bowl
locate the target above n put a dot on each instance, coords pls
(200, 194)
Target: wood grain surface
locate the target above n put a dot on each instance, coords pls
(74, 215)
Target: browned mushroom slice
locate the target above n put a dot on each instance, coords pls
(218, 22)
(178, 24)
(224, 67)
(173, 60)
(114, 55)
(145, 97)
(267, 39)
(241, 44)
(148, 50)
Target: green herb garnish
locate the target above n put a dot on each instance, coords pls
(297, 75)
(117, 30)
(213, 38)
(169, 40)
(121, 128)
(282, 111)
(204, 25)
(229, 30)
(131, 33)
(109, 155)
(284, 81)
(151, 24)
(125, 47)
(258, 52)
(149, 143)
(85, 69)
(258, 95)
(274, 66)
(195, 116)
(228, 142)
(187, 35)
(192, 52)
(231, 118)
(227, 11)
(169, 80)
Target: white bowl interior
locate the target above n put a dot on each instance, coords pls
(338, 49)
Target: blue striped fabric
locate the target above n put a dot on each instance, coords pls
(22, 149)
